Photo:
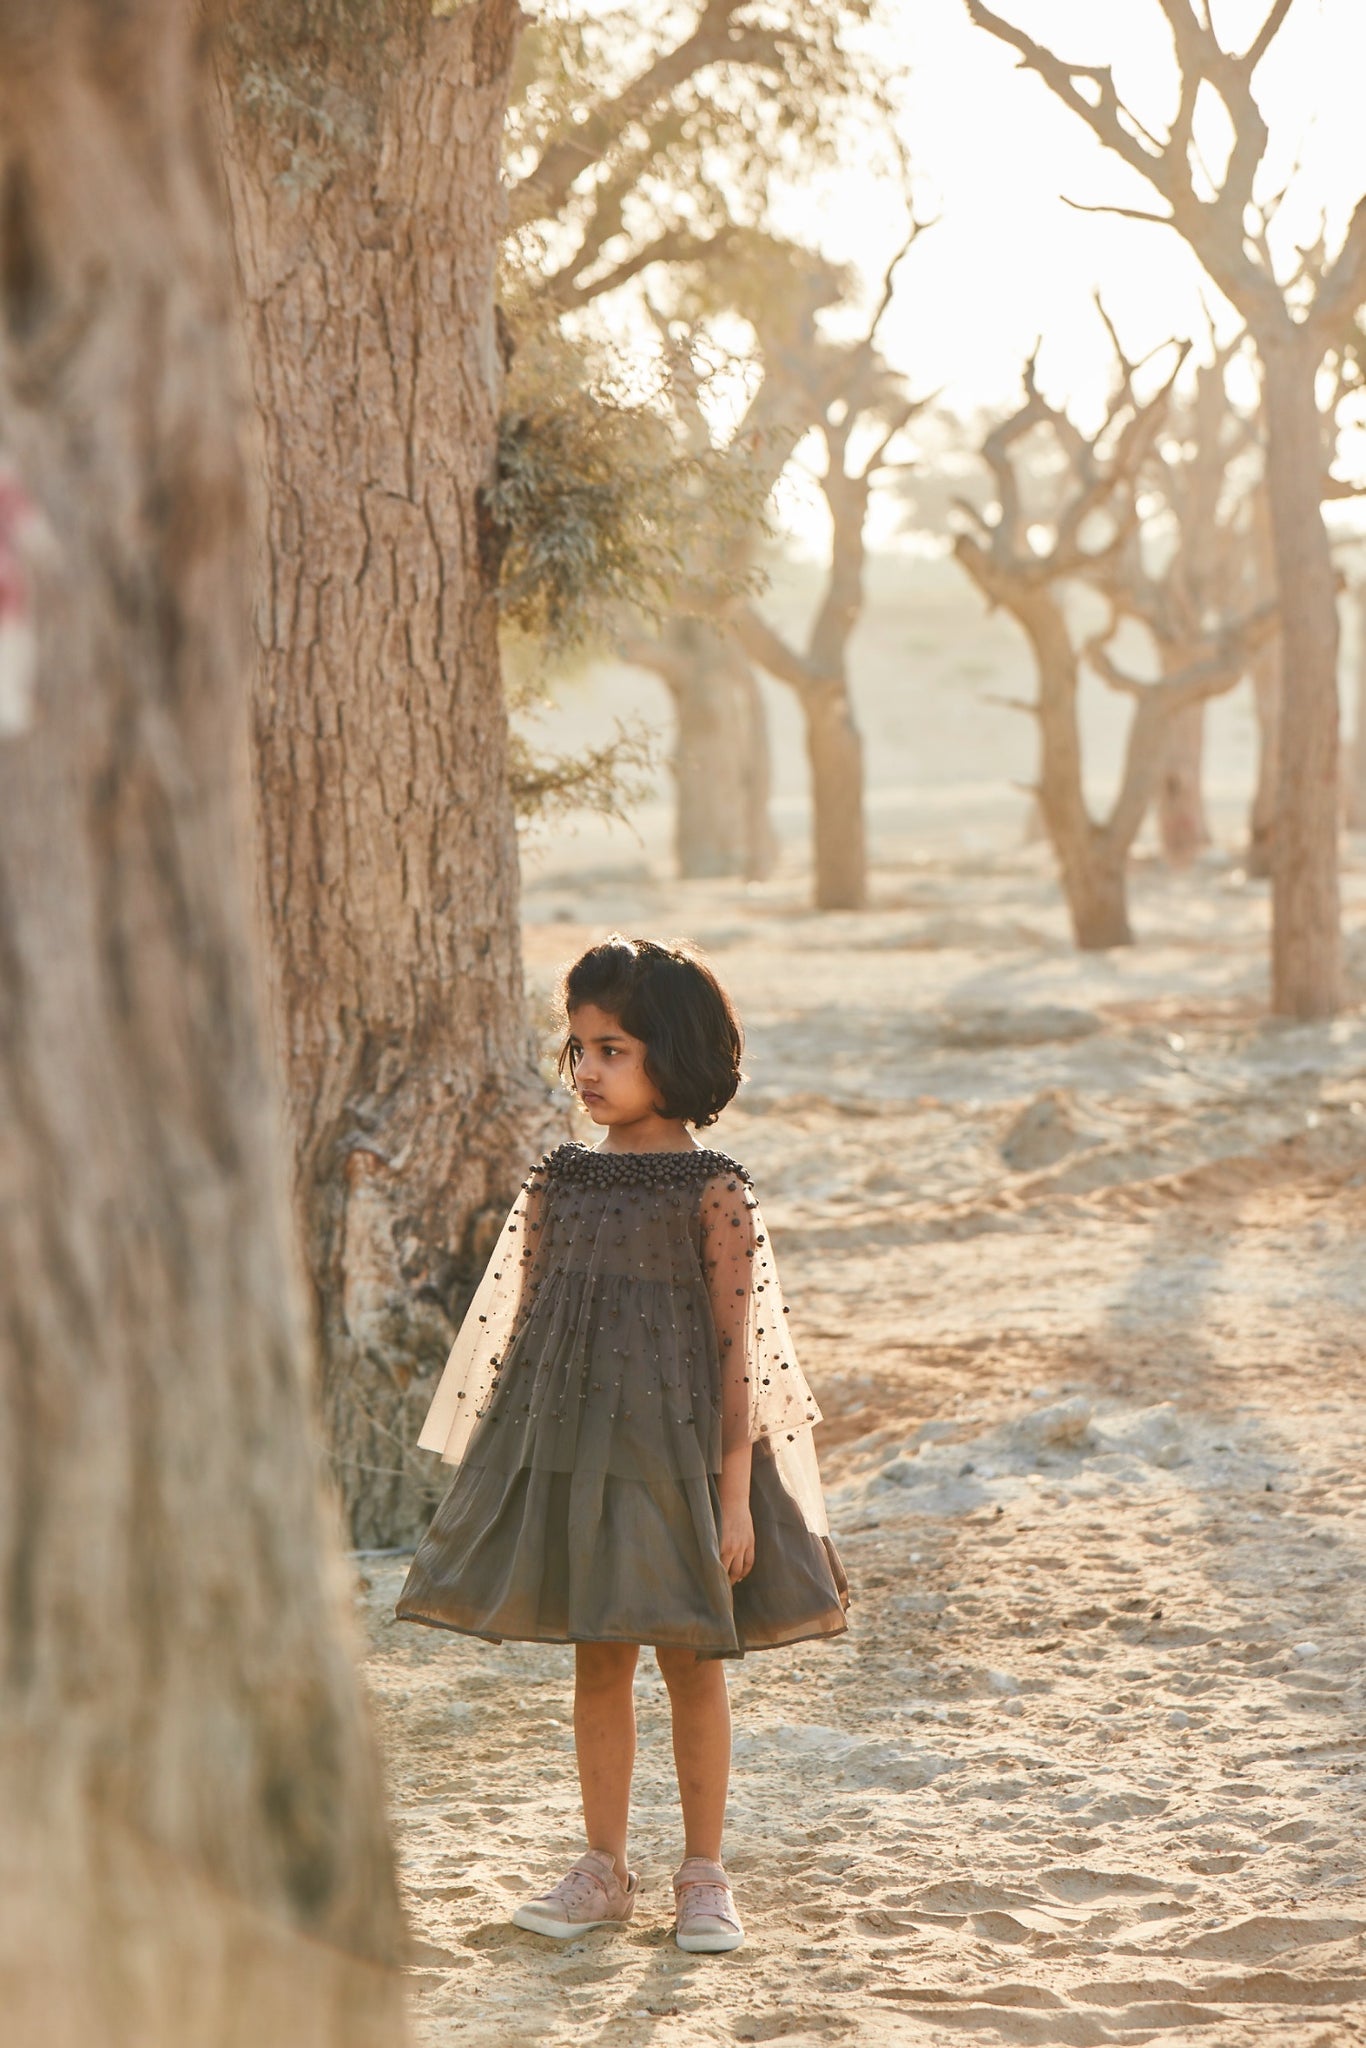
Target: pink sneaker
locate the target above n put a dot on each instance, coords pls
(590, 1895)
(708, 1923)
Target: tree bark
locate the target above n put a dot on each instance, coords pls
(834, 749)
(1266, 694)
(720, 759)
(389, 866)
(193, 1849)
(1183, 829)
(1092, 859)
(1356, 781)
(1097, 894)
(1306, 941)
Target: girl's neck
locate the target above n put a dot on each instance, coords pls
(648, 1134)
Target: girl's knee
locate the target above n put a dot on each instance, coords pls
(604, 1667)
(683, 1671)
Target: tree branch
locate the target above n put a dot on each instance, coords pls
(641, 650)
(715, 39)
(1342, 286)
(1209, 676)
(675, 245)
(1103, 119)
(1161, 220)
(1266, 35)
(764, 644)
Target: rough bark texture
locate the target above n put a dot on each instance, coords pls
(1355, 804)
(193, 1850)
(1092, 859)
(367, 243)
(834, 748)
(820, 678)
(1306, 942)
(1266, 698)
(720, 760)
(1182, 826)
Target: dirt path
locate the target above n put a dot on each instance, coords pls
(1074, 1258)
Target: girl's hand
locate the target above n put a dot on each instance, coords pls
(737, 1536)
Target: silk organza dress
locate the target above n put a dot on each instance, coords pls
(630, 1293)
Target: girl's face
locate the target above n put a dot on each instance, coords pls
(609, 1070)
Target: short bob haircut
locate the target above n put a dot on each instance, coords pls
(670, 999)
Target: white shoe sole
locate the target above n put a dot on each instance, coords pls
(719, 1943)
(558, 1930)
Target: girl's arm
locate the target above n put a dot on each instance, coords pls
(728, 1247)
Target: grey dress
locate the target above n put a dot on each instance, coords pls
(631, 1306)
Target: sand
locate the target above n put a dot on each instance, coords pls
(1073, 1254)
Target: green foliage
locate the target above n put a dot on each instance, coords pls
(606, 780)
(605, 513)
(783, 88)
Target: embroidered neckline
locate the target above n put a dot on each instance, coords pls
(574, 1161)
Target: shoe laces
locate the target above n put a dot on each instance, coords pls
(705, 1898)
(576, 1888)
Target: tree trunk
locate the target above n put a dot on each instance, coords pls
(1181, 823)
(1092, 863)
(761, 841)
(367, 236)
(193, 1849)
(1356, 782)
(1306, 941)
(839, 843)
(1096, 881)
(720, 759)
(1266, 690)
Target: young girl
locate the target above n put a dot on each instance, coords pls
(632, 1429)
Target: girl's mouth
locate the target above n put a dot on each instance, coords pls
(589, 1095)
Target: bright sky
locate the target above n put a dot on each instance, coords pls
(1009, 260)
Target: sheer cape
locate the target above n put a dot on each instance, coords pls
(628, 1333)
(750, 1316)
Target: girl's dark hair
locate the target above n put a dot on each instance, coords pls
(670, 998)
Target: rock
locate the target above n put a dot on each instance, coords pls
(1002, 1682)
(1152, 1434)
(1012, 1707)
(1306, 1650)
(1178, 1719)
(1062, 1425)
(1044, 1132)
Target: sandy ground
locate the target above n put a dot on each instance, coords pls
(1073, 1254)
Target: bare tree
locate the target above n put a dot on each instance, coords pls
(1193, 572)
(194, 1847)
(618, 138)
(616, 145)
(363, 170)
(858, 406)
(1023, 559)
(1219, 224)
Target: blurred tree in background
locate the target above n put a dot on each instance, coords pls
(1295, 317)
(650, 164)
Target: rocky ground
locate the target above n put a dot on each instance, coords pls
(1073, 1255)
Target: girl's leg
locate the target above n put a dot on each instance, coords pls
(605, 1740)
(701, 1723)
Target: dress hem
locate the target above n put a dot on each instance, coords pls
(459, 1628)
